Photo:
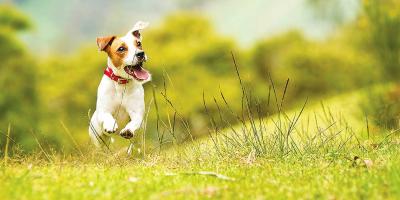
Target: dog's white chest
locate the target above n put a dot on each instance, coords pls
(120, 108)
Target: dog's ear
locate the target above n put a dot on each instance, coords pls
(140, 25)
(103, 42)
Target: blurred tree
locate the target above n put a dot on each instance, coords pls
(67, 87)
(381, 105)
(18, 102)
(13, 19)
(188, 54)
(380, 25)
(266, 53)
(315, 68)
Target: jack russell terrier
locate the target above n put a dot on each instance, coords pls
(120, 96)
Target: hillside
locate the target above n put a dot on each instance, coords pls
(343, 170)
(337, 118)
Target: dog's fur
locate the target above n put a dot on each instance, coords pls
(119, 105)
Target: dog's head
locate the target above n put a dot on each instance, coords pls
(126, 55)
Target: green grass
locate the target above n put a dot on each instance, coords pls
(345, 167)
(262, 179)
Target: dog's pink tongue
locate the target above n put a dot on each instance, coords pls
(141, 74)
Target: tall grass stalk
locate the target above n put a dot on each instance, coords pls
(71, 137)
(278, 135)
(7, 144)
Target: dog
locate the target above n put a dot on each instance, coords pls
(120, 95)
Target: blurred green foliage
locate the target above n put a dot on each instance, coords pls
(382, 107)
(13, 19)
(315, 69)
(379, 31)
(18, 96)
(67, 88)
(187, 58)
(190, 58)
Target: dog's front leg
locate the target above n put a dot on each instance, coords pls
(133, 125)
(108, 122)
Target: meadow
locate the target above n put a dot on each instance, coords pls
(289, 116)
(335, 163)
(322, 151)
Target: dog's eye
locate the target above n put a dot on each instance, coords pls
(121, 49)
(139, 44)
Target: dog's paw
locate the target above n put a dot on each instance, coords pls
(126, 133)
(110, 126)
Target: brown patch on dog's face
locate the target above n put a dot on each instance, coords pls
(117, 51)
(123, 51)
(104, 42)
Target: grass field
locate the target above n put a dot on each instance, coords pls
(326, 160)
(264, 179)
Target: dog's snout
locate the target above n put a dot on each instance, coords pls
(140, 55)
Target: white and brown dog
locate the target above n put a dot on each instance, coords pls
(120, 96)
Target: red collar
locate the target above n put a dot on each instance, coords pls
(109, 72)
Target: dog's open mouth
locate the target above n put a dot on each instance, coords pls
(137, 72)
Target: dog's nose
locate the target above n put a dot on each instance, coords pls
(140, 55)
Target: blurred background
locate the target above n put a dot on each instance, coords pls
(50, 67)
